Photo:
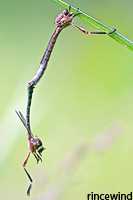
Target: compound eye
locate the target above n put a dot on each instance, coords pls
(65, 12)
(40, 149)
(58, 18)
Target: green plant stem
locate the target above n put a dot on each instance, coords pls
(116, 36)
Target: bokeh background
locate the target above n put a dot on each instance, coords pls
(82, 108)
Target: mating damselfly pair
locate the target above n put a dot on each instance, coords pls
(62, 21)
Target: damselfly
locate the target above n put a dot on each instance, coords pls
(35, 145)
(62, 21)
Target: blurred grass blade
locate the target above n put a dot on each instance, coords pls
(116, 36)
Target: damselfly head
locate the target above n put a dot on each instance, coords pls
(61, 15)
(38, 145)
(64, 19)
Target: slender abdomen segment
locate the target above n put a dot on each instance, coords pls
(45, 58)
(39, 73)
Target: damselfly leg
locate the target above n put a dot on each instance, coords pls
(82, 29)
(93, 32)
(31, 180)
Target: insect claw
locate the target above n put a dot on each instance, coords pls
(114, 29)
(40, 159)
(76, 14)
(28, 191)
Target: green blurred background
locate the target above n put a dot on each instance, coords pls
(82, 108)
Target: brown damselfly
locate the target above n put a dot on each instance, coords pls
(62, 21)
